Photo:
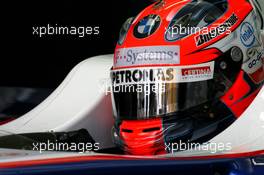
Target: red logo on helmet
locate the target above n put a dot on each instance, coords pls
(196, 71)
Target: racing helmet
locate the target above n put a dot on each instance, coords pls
(183, 71)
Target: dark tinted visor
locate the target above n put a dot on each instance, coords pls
(141, 93)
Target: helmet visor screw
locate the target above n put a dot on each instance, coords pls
(236, 54)
(223, 65)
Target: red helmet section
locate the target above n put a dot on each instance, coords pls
(241, 94)
(241, 8)
(143, 137)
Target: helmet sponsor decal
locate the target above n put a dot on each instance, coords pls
(151, 55)
(176, 74)
(256, 60)
(147, 26)
(216, 31)
(254, 66)
(247, 35)
(196, 72)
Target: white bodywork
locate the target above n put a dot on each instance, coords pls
(79, 102)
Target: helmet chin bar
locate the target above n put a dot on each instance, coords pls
(150, 137)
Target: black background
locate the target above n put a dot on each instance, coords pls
(30, 61)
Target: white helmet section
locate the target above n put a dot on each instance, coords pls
(259, 4)
(79, 102)
(248, 37)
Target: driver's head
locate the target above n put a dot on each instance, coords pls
(178, 71)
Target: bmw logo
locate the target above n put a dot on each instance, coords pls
(147, 26)
(247, 35)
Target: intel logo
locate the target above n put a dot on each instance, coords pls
(247, 34)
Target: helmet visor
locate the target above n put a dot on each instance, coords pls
(142, 93)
